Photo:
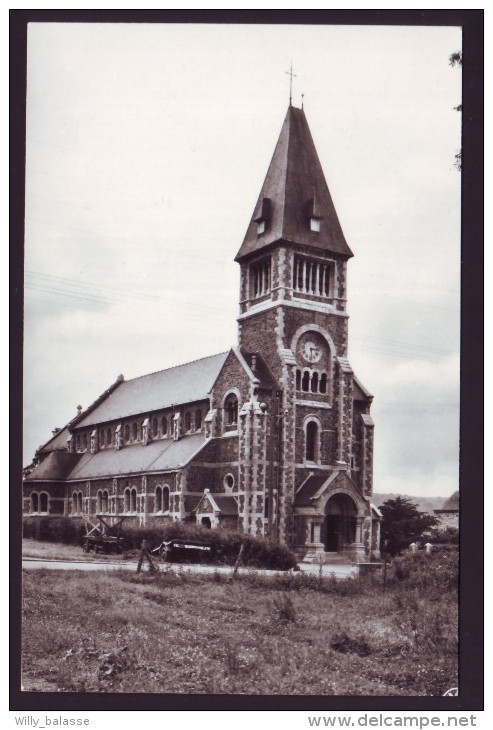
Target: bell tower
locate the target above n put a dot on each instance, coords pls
(293, 292)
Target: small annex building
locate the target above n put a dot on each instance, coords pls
(273, 437)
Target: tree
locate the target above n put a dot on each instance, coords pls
(402, 524)
(455, 59)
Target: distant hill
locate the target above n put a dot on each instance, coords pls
(452, 502)
(425, 504)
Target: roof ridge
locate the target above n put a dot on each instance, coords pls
(283, 211)
(173, 367)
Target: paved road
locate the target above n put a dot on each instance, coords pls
(338, 571)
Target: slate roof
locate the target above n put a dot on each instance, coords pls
(303, 496)
(58, 442)
(226, 503)
(180, 384)
(261, 372)
(359, 391)
(56, 467)
(296, 187)
(156, 456)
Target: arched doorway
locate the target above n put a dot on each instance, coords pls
(206, 522)
(339, 527)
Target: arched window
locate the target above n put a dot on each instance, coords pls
(134, 431)
(79, 502)
(158, 500)
(104, 501)
(133, 500)
(314, 383)
(198, 420)
(165, 499)
(109, 436)
(323, 383)
(231, 410)
(99, 501)
(311, 443)
(164, 426)
(74, 502)
(305, 383)
(34, 502)
(188, 421)
(43, 502)
(127, 433)
(126, 500)
(154, 428)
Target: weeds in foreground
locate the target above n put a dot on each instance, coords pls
(186, 633)
(285, 608)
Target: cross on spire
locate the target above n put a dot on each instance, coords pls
(290, 74)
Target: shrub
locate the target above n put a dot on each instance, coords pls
(225, 544)
(430, 574)
(448, 536)
(54, 529)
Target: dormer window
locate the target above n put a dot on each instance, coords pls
(313, 213)
(262, 215)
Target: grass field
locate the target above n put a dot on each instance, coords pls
(294, 635)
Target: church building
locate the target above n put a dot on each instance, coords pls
(273, 437)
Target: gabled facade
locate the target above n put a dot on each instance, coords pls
(273, 437)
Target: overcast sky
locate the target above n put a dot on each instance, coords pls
(146, 149)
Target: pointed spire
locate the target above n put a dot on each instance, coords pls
(293, 195)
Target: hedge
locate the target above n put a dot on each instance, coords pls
(225, 544)
(54, 529)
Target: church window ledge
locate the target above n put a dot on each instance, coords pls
(227, 434)
(313, 403)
